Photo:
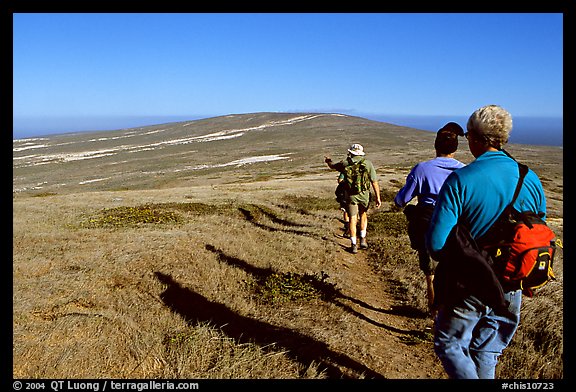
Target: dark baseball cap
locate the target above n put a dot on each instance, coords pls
(447, 138)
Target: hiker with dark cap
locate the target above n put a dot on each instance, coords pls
(424, 182)
(360, 176)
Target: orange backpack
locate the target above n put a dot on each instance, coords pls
(521, 247)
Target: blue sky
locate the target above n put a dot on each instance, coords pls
(85, 70)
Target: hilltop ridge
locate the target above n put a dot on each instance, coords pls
(172, 153)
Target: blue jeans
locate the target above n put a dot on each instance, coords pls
(468, 338)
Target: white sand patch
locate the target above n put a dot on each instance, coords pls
(263, 158)
(94, 180)
(126, 135)
(24, 157)
(225, 137)
(23, 148)
(153, 132)
(27, 144)
(290, 121)
(67, 157)
(28, 140)
(238, 162)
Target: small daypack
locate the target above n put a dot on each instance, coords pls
(521, 247)
(357, 177)
(418, 217)
(340, 192)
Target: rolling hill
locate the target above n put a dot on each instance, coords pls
(209, 150)
(229, 148)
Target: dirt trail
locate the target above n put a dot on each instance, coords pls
(395, 345)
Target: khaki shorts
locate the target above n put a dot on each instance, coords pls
(356, 209)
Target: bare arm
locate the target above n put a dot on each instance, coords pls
(377, 192)
(329, 162)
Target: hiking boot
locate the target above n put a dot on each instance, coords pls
(354, 248)
(363, 243)
(346, 230)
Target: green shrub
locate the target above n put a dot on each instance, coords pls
(387, 223)
(131, 216)
(286, 287)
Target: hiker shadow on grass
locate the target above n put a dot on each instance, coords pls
(195, 308)
(397, 310)
(330, 293)
(257, 216)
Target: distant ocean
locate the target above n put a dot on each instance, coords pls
(27, 127)
(547, 131)
(543, 131)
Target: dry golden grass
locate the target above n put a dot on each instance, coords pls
(103, 300)
(200, 293)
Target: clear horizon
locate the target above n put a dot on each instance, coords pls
(536, 130)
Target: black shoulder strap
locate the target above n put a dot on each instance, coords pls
(509, 210)
(523, 170)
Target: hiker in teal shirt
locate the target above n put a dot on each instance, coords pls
(470, 334)
(480, 192)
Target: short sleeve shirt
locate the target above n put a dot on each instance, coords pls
(364, 197)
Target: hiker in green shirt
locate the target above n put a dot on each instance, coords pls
(359, 175)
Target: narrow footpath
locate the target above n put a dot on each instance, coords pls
(394, 344)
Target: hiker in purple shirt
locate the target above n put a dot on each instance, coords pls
(424, 182)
